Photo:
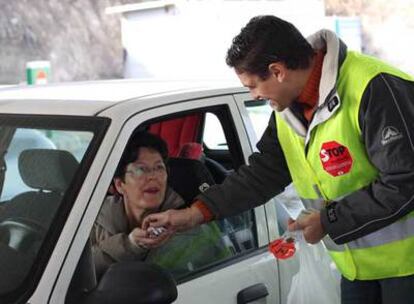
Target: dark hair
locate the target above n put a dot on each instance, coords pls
(139, 140)
(268, 39)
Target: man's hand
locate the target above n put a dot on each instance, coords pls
(311, 225)
(141, 237)
(174, 220)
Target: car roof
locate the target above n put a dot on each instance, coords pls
(91, 97)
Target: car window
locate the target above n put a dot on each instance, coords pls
(222, 240)
(41, 160)
(190, 253)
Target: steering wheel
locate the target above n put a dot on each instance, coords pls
(21, 234)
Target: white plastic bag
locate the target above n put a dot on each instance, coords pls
(315, 283)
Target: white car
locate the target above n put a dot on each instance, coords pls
(60, 145)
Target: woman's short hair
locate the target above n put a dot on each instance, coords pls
(140, 139)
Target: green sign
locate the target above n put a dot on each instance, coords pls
(38, 72)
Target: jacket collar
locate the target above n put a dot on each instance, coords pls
(334, 57)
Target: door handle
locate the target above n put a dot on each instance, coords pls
(252, 293)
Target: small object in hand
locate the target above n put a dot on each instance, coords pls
(283, 248)
(155, 231)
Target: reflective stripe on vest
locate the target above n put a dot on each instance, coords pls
(336, 164)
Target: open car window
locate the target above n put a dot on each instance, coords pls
(192, 170)
(44, 160)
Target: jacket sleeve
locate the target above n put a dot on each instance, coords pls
(254, 184)
(109, 248)
(387, 105)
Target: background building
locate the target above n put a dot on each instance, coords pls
(189, 39)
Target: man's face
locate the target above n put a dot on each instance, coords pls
(273, 88)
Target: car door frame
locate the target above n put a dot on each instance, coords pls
(288, 268)
(87, 205)
(259, 258)
(271, 214)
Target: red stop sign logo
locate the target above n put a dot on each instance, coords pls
(335, 158)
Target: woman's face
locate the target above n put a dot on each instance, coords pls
(145, 181)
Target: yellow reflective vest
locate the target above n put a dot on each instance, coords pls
(331, 162)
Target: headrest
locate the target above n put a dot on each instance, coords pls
(191, 150)
(47, 169)
(188, 177)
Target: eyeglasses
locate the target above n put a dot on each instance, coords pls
(141, 171)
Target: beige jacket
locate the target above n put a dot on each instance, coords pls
(110, 232)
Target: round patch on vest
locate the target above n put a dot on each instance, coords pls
(335, 158)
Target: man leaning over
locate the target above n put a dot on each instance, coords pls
(342, 133)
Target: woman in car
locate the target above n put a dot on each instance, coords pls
(141, 188)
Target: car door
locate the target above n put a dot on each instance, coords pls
(248, 271)
(253, 272)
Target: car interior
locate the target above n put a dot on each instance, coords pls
(25, 211)
(23, 220)
(194, 166)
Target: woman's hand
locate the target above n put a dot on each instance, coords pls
(174, 220)
(142, 238)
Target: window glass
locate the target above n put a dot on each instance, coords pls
(74, 142)
(187, 253)
(208, 245)
(40, 160)
(213, 136)
(259, 114)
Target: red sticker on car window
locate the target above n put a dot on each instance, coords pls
(335, 158)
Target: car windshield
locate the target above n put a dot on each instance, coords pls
(43, 160)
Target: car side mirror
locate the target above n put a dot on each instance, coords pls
(134, 282)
